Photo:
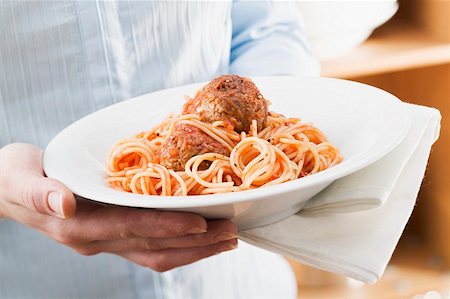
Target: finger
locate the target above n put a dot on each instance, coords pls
(27, 185)
(218, 230)
(167, 259)
(96, 222)
(48, 196)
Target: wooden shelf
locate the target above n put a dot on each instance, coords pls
(392, 48)
(398, 282)
(414, 272)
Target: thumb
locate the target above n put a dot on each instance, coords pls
(49, 196)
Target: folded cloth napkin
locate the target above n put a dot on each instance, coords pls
(353, 226)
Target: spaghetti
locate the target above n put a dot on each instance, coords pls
(285, 149)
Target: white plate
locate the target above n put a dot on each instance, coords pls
(363, 121)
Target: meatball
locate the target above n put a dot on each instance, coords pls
(185, 142)
(232, 99)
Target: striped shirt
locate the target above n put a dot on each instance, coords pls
(62, 60)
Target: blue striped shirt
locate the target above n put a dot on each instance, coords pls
(62, 60)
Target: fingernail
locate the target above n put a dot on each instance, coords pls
(55, 203)
(195, 230)
(226, 247)
(224, 236)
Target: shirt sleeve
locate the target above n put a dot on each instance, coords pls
(268, 39)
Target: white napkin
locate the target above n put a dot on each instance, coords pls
(353, 226)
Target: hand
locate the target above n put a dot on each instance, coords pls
(152, 238)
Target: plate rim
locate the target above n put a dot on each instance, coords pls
(197, 201)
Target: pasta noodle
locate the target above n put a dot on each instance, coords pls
(285, 149)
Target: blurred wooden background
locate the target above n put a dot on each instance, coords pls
(409, 57)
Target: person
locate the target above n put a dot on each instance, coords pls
(62, 60)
